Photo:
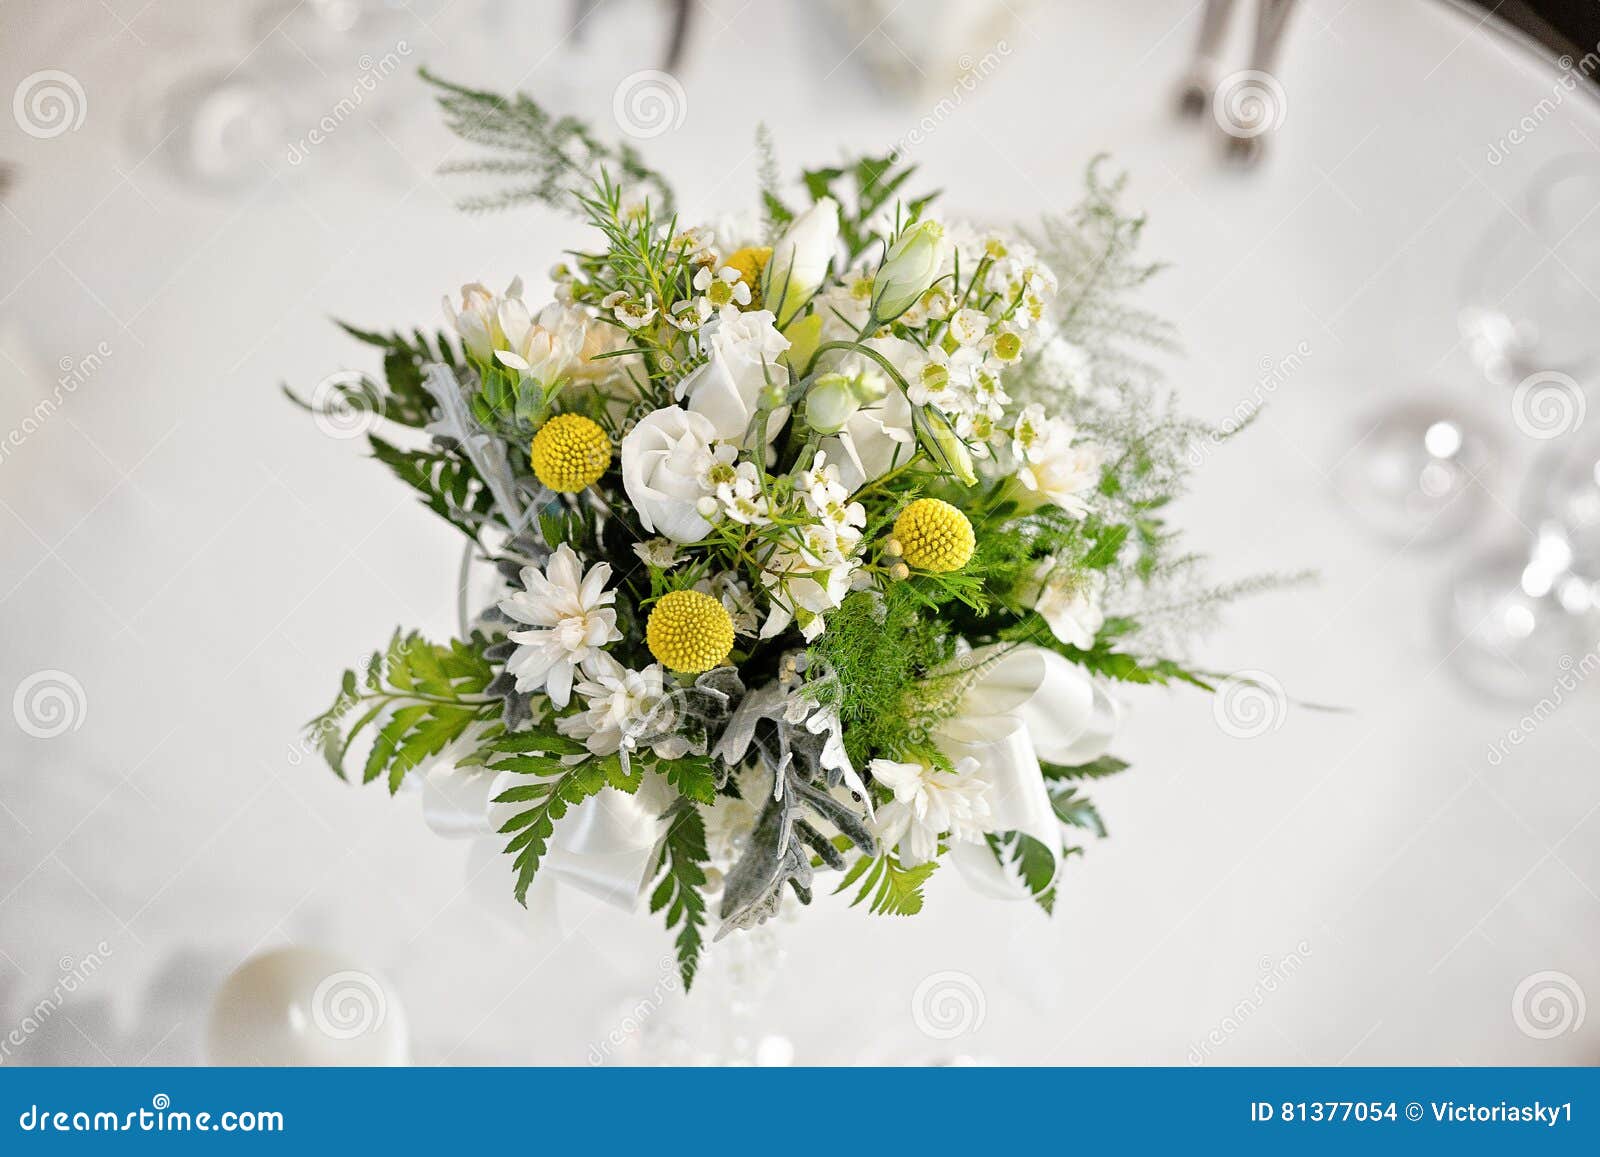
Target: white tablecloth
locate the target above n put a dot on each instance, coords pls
(203, 562)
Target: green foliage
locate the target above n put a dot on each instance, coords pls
(693, 776)
(862, 188)
(891, 888)
(401, 397)
(547, 158)
(555, 785)
(1100, 768)
(1094, 252)
(1072, 807)
(679, 883)
(449, 485)
(881, 647)
(1034, 864)
(415, 697)
(774, 211)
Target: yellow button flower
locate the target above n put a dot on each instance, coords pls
(750, 261)
(689, 631)
(570, 453)
(934, 535)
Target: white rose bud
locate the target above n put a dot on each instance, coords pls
(830, 403)
(946, 446)
(800, 260)
(909, 269)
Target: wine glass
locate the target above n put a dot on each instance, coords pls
(1527, 303)
(1528, 320)
(1523, 611)
(1419, 470)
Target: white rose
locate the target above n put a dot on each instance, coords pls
(661, 457)
(727, 389)
(800, 259)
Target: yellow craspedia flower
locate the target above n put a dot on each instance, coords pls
(570, 453)
(934, 535)
(689, 631)
(750, 261)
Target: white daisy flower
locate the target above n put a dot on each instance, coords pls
(572, 619)
(929, 803)
(630, 311)
(968, 326)
(721, 288)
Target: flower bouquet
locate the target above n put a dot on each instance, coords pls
(820, 531)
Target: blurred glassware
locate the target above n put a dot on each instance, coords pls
(1419, 471)
(920, 51)
(215, 128)
(302, 76)
(1528, 320)
(1508, 630)
(325, 30)
(1524, 613)
(1527, 306)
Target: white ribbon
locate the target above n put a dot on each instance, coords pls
(606, 847)
(1025, 704)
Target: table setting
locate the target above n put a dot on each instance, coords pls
(1031, 535)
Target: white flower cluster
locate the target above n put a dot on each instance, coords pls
(915, 340)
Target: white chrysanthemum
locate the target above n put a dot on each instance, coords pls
(929, 803)
(616, 700)
(572, 619)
